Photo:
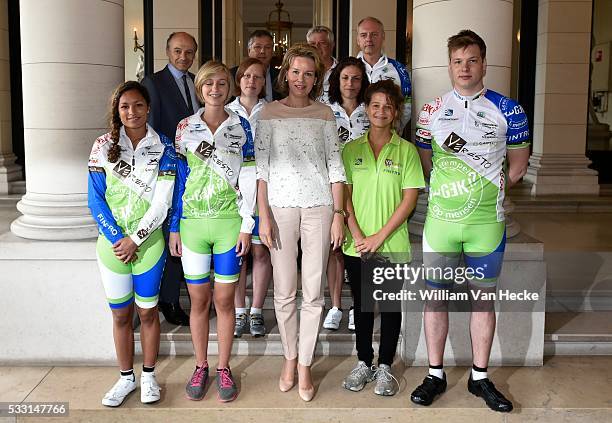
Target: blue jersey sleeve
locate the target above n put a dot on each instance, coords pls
(404, 77)
(248, 149)
(182, 171)
(517, 132)
(101, 212)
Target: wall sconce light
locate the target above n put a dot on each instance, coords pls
(136, 45)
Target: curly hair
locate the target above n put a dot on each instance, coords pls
(301, 50)
(390, 90)
(334, 80)
(114, 118)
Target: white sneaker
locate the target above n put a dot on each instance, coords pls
(351, 323)
(120, 390)
(333, 318)
(149, 389)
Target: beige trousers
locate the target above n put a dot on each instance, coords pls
(312, 226)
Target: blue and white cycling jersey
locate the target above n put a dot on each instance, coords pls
(387, 68)
(236, 107)
(469, 137)
(350, 127)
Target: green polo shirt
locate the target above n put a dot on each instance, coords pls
(377, 188)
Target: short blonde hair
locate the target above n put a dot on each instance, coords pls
(206, 71)
(302, 50)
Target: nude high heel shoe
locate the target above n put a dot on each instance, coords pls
(307, 394)
(286, 385)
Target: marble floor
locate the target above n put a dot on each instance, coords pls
(564, 389)
(568, 231)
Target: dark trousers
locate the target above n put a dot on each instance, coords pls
(170, 287)
(390, 322)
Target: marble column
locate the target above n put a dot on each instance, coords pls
(558, 164)
(72, 58)
(323, 13)
(491, 19)
(9, 171)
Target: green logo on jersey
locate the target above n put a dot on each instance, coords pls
(460, 196)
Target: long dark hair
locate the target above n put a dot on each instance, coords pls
(114, 121)
(334, 80)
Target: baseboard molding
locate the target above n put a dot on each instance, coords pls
(579, 348)
(578, 302)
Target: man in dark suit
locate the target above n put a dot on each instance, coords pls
(173, 98)
(261, 46)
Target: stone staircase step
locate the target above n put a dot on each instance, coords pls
(176, 340)
(578, 333)
(520, 195)
(345, 296)
(566, 334)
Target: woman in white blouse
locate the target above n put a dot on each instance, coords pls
(300, 185)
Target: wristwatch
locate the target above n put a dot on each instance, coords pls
(342, 212)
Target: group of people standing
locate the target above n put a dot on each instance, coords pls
(306, 156)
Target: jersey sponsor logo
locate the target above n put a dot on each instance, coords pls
(517, 124)
(432, 108)
(454, 143)
(141, 184)
(423, 118)
(449, 114)
(122, 169)
(96, 169)
(232, 136)
(105, 224)
(344, 134)
(463, 185)
(519, 136)
(144, 232)
(516, 110)
(223, 166)
(481, 114)
(487, 125)
(451, 189)
(204, 150)
(423, 134)
(153, 162)
(489, 135)
(391, 167)
(358, 161)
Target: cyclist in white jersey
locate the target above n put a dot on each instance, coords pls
(250, 82)
(466, 138)
(347, 87)
(370, 38)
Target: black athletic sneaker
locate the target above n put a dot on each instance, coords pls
(426, 392)
(485, 389)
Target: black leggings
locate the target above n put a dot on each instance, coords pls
(390, 322)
